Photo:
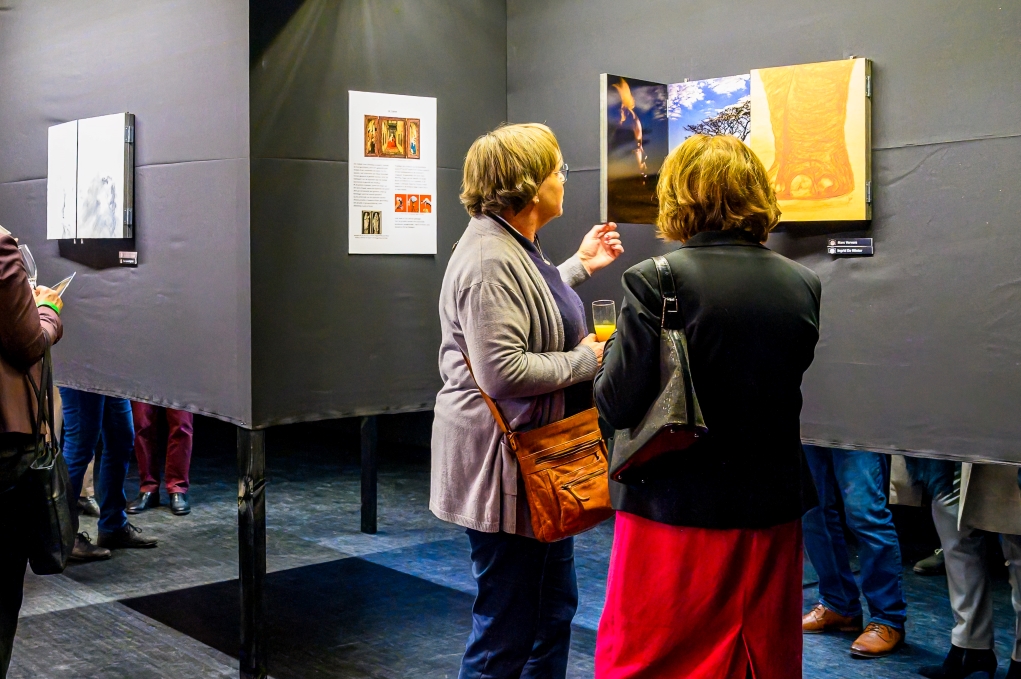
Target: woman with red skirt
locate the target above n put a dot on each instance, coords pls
(705, 572)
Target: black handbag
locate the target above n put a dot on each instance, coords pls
(46, 487)
(674, 421)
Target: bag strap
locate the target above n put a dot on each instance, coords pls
(671, 316)
(493, 408)
(43, 393)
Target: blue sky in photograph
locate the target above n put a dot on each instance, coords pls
(692, 102)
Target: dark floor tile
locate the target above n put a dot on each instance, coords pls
(345, 618)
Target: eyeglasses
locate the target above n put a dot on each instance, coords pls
(562, 173)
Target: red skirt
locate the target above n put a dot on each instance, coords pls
(699, 603)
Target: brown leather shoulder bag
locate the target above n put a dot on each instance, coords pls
(565, 468)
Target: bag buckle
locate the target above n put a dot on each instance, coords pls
(667, 303)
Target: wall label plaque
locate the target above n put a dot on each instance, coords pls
(850, 247)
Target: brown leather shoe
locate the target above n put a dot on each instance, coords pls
(821, 619)
(877, 641)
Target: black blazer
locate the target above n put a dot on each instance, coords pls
(752, 323)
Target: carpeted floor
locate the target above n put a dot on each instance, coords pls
(339, 603)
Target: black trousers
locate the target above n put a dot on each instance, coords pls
(13, 559)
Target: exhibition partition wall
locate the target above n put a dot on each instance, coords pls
(919, 350)
(175, 330)
(333, 334)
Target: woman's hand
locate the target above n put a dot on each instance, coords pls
(596, 346)
(600, 247)
(44, 295)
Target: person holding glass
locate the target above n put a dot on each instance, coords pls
(505, 307)
(29, 325)
(706, 566)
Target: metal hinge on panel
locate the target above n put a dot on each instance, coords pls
(868, 192)
(868, 86)
(129, 134)
(129, 216)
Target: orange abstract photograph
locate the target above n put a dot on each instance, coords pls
(810, 128)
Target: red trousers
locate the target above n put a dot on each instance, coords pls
(696, 603)
(179, 440)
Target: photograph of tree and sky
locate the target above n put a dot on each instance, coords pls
(711, 107)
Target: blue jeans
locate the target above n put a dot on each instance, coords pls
(860, 479)
(87, 417)
(521, 620)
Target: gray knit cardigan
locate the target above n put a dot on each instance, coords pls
(495, 306)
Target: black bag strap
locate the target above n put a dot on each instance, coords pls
(43, 393)
(671, 317)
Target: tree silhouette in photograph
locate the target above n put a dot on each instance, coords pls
(733, 120)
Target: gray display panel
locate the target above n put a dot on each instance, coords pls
(176, 329)
(335, 335)
(919, 349)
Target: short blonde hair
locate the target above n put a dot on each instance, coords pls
(714, 184)
(504, 168)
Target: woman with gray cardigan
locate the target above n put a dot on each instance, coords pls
(514, 314)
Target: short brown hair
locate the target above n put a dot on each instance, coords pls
(504, 168)
(714, 184)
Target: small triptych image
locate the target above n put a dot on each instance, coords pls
(393, 137)
(413, 202)
(372, 222)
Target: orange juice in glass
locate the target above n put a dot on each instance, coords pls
(604, 318)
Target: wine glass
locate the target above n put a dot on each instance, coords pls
(604, 318)
(30, 267)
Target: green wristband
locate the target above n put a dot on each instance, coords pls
(50, 305)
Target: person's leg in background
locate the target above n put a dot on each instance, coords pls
(83, 418)
(558, 602)
(839, 607)
(87, 504)
(118, 447)
(863, 478)
(964, 554)
(1012, 552)
(145, 423)
(13, 559)
(179, 446)
(507, 615)
(83, 422)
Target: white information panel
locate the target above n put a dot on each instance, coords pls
(392, 177)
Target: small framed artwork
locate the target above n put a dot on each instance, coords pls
(412, 203)
(400, 202)
(372, 136)
(425, 203)
(414, 138)
(394, 137)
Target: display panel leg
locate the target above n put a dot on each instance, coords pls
(370, 461)
(252, 548)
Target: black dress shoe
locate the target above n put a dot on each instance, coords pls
(87, 506)
(143, 502)
(129, 537)
(84, 550)
(963, 662)
(179, 504)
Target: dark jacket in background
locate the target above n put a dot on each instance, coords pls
(752, 323)
(25, 334)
